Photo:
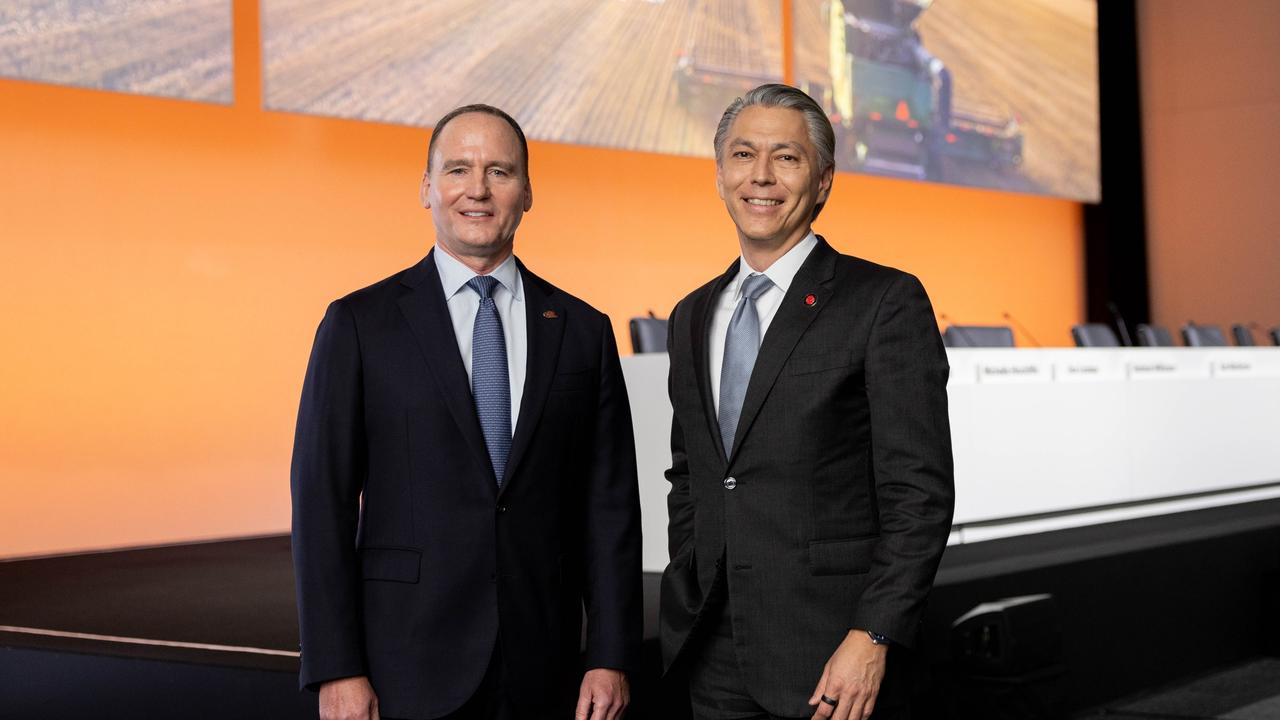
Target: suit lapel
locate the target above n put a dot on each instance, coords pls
(544, 329)
(704, 311)
(793, 318)
(427, 313)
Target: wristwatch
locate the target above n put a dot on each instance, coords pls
(877, 638)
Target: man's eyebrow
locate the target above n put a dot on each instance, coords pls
(455, 162)
(503, 165)
(795, 146)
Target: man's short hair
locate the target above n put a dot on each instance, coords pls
(477, 108)
(821, 134)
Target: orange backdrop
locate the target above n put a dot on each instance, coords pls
(165, 264)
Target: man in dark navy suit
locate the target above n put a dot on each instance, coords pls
(464, 474)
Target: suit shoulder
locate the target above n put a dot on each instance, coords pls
(866, 272)
(572, 304)
(701, 291)
(374, 296)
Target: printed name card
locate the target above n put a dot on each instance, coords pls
(1014, 371)
(1169, 367)
(1087, 371)
(1247, 364)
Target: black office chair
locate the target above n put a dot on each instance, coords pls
(648, 334)
(973, 336)
(1242, 336)
(1094, 335)
(1275, 335)
(1154, 336)
(1194, 335)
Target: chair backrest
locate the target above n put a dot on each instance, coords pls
(648, 335)
(1275, 335)
(959, 336)
(1242, 335)
(1094, 335)
(1203, 336)
(1154, 336)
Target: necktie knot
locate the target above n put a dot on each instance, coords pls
(483, 285)
(755, 285)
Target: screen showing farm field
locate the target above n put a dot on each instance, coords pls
(169, 48)
(987, 93)
(648, 75)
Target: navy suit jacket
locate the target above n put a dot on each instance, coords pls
(410, 563)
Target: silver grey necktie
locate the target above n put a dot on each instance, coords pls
(741, 344)
(490, 384)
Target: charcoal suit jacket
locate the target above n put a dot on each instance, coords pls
(834, 507)
(410, 562)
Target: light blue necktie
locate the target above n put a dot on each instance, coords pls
(490, 384)
(741, 344)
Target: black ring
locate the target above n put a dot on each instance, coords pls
(830, 701)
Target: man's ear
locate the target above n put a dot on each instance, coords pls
(424, 190)
(824, 184)
(528, 195)
(719, 183)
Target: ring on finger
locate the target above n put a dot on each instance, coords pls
(830, 700)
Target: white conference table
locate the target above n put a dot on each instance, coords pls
(1060, 437)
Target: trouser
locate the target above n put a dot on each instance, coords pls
(717, 690)
(492, 700)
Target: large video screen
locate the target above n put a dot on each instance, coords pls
(170, 48)
(649, 75)
(988, 93)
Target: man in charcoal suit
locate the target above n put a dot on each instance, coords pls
(811, 480)
(464, 473)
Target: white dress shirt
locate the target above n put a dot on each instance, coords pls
(508, 296)
(781, 272)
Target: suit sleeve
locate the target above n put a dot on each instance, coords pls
(679, 503)
(613, 545)
(328, 472)
(906, 379)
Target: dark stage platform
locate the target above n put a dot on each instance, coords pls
(210, 630)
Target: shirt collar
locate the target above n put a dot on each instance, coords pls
(454, 275)
(783, 270)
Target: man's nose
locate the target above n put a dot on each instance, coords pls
(762, 171)
(478, 186)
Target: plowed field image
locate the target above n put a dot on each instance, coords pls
(171, 48)
(634, 74)
(990, 93)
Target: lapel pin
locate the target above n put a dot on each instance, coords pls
(550, 315)
(810, 300)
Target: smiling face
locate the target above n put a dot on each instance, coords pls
(477, 189)
(769, 177)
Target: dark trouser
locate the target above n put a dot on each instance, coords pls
(718, 692)
(492, 701)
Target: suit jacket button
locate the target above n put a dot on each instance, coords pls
(502, 508)
(730, 483)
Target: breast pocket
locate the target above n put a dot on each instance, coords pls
(809, 364)
(575, 380)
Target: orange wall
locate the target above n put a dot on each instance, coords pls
(165, 264)
(1210, 99)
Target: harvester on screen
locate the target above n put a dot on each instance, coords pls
(891, 100)
(718, 60)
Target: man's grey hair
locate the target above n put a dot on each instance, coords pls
(821, 134)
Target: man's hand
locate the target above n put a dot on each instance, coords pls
(852, 678)
(348, 699)
(604, 695)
